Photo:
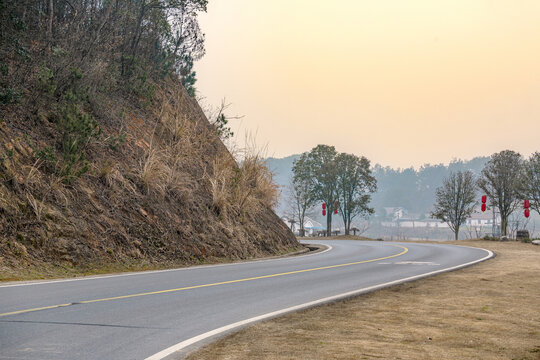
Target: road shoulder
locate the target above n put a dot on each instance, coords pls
(483, 311)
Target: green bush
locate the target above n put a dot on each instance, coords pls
(9, 96)
(116, 141)
(45, 80)
(77, 130)
(48, 156)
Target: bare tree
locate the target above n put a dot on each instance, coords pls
(500, 180)
(515, 223)
(530, 184)
(301, 191)
(455, 200)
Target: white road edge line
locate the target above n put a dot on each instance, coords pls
(44, 282)
(182, 345)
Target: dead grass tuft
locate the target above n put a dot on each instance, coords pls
(255, 183)
(36, 205)
(154, 171)
(175, 147)
(244, 187)
(220, 183)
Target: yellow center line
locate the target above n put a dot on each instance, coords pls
(405, 250)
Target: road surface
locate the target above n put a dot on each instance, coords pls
(164, 314)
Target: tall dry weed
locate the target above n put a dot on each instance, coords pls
(255, 183)
(245, 186)
(175, 149)
(36, 205)
(154, 171)
(220, 182)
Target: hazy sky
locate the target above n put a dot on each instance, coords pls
(400, 82)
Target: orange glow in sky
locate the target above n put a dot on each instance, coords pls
(400, 82)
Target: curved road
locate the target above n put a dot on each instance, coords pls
(153, 315)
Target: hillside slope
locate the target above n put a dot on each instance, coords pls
(106, 162)
(146, 200)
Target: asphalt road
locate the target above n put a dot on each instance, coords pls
(154, 314)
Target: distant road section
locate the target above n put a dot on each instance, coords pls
(164, 314)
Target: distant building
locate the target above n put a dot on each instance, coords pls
(310, 226)
(479, 218)
(399, 218)
(421, 223)
(394, 213)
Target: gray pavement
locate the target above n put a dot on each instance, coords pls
(134, 316)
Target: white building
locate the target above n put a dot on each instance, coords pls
(411, 221)
(479, 218)
(394, 213)
(310, 226)
(424, 223)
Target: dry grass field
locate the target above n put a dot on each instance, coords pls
(487, 311)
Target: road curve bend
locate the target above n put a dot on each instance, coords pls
(163, 314)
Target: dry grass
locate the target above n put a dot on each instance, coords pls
(245, 186)
(236, 186)
(176, 142)
(488, 311)
(255, 182)
(219, 180)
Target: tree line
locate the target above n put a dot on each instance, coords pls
(414, 189)
(128, 41)
(342, 182)
(507, 180)
(63, 60)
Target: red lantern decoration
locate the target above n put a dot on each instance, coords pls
(484, 207)
(526, 204)
(324, 212)
(484, 199)
(324, 206)
(527, 213)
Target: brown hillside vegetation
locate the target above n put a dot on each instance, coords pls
(111, 172)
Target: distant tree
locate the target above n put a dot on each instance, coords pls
(354, 187)
(455, 200)
(321, 161)
(301, 190)
(530, 184)
(500, 181)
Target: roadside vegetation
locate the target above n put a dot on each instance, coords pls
(486, 311)
(509, 182)
(107, 161)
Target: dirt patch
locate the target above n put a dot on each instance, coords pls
(488, 311)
